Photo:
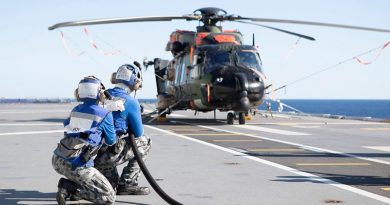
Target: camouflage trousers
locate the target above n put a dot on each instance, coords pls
(91, 184)
(118, 154)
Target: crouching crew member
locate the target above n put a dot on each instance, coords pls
(87, 128)
(127, 122)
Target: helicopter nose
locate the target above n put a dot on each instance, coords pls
(240, 89)
(242, 80)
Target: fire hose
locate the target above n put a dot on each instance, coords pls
(148, 176)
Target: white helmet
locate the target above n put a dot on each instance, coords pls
(129, 75)
(90, 89)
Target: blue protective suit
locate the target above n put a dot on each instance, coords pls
(88, 123)
(130, 119)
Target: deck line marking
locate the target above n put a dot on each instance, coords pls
(31, 132)
(311, 148)
(210, 134)
(306, 127)
(376, 128)
(30, 124)
(270, 130)
(282, 167)
(275, 150)
(32, 111)
(183, 129)
(333, 164)
(381, 148)
(386, 188)
(233, 140)
(315, 123)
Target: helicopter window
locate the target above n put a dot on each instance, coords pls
(248, 59)
(183, 68)
(194, 72)
(217, 59)
(178, 71)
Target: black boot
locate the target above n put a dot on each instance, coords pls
(132, 190)
(65, 189)
(74, 197)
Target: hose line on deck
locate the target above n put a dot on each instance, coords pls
(148, 176)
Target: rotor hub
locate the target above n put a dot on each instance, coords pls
(211, 15)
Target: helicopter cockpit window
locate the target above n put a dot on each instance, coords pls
(217, 59)
(248, 59)
(194, 71)
(183, 70)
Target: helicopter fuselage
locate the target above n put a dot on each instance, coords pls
(229, 77)
(209, 75)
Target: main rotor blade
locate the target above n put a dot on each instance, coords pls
(311, 23)
(281, 30)
(123, 20)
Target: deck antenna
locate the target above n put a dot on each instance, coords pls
(253, 39)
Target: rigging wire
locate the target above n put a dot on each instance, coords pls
(338, 64)
(94, 45)
(291, 50)
(112, 46)
(71, 41)
(65, 44)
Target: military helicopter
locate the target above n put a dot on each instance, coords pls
(211, 68)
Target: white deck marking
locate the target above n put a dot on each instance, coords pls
(311, 148)
(210, 134)
(270, 130)
(381, 148)
(32, 111)
(376, 128)
(316, 123)
(282, 167)
(334, 164)
(276, 150)
(305, 127)
(235, 140)
(31, 124)
(31, 132)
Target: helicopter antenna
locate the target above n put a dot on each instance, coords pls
(253, 39)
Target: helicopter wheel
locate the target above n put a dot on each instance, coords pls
(241, 118)
(230, 118)
(162, 117)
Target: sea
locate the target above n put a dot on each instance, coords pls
(379, 109)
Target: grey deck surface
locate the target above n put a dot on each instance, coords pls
(196, 160)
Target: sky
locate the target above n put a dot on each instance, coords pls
(35, 64)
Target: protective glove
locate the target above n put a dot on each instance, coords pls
(144, 144)
(114, 105)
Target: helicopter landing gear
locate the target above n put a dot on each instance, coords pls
(241, 116)
(248, 116)
(230, 118)
(162, 116)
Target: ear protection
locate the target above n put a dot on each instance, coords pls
(113, 78)
(76, 94)
(138, 82)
